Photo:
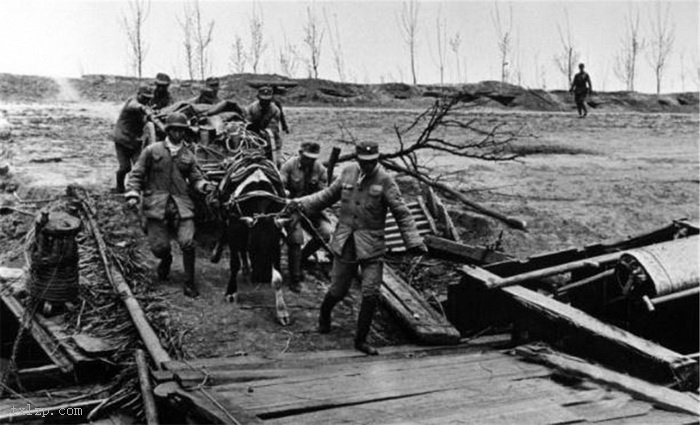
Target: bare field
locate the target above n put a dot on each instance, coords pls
(579, 181)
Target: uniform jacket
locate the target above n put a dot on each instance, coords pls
(363, 207)
(261, 119)
(161, 99)
(299, 183)
(581, 83)
(160, 176)
(205, 99)
(129, 127)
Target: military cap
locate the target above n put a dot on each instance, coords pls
(162, 79)
(310, 149)
(212, 82)
(177, 120)
(367, 150)
(265, 93)
(145, 91)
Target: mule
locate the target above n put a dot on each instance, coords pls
(252, 195)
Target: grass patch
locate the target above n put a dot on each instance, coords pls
(541, 149)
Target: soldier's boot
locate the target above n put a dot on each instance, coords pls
(121, 175)
(324, 319)
(294, 263)
(364, 321)
(190, 288)
(163, 269)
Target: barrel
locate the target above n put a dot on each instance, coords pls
(54, 274)
(660, 269)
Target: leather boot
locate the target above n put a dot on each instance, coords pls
(190, 288)
(164, 267)
(121, 175)
(324, 319)
(294, 260)
(364, 321)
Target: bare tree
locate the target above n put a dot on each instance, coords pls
(661, 43)
(239, 58)
(257, 41)
(187, 25)
(313, 38)
(202, 39)
(631, 46)
(408, 23)
(133, 25)
(441, 44)
(681, 60)
(455, 43)
(568, 56)
(289, 58)
(336, 47)
(505, 38)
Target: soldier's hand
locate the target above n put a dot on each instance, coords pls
(418, 250)
(292, 206)
(132, 202)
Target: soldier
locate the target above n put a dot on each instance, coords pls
(303, 175)
(264, 115)
(581, 87)
(365, 191)
(209, 94)
(163, 175)
(128, 132)
(161, 95)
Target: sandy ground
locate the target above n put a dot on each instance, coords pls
(608, 176)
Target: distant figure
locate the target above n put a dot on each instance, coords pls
(128, 132)
(209, 94)
(581, 87)
(161, 95)
(263, 115)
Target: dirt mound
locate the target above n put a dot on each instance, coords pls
(27, 88)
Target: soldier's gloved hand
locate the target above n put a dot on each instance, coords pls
(418, 250)
(208, 188)
(292, 206)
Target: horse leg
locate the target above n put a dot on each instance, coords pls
(280, 305)
(232, 287)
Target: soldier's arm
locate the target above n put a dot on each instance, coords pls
(323, 198)
(137, 177)
(284, 173)
(402, 215)
(590, 84)
(323, 178)
(196, 177)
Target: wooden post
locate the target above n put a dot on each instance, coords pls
(149, 403)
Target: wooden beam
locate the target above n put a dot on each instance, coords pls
(414, 311)
(665, 397)
(455, 251)
(494, 281)
(606, 342)
(428, 216)
(48, 344)
(149, 403)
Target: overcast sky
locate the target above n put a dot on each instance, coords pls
(70, 38)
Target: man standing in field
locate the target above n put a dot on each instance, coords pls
(164, 175)
(128, 132)
(264, 115)
(302, 175)
(581, 87)
(365, 191)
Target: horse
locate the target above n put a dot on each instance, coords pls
(251, 196)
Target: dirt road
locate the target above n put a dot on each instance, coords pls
(583, 180)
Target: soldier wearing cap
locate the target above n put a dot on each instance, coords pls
(161, 95)
(263, 115)
(128, 133)
(302, 175)
(209, 94)
(164, 175)
(365, 191)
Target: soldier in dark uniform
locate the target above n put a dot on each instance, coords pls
(209, 94)
(581, 87)
(365, 191)
(164, 175)
(161, 95)
(264, 115)
(303, 175)
(128, 132)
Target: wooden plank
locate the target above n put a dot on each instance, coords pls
(149, 403)
(668, 366)
(48, 344)
(92, 346)
(414, 312)
(455, 251)
(659, 395)
(428, 216)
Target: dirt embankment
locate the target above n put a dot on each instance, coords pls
(310, 92)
